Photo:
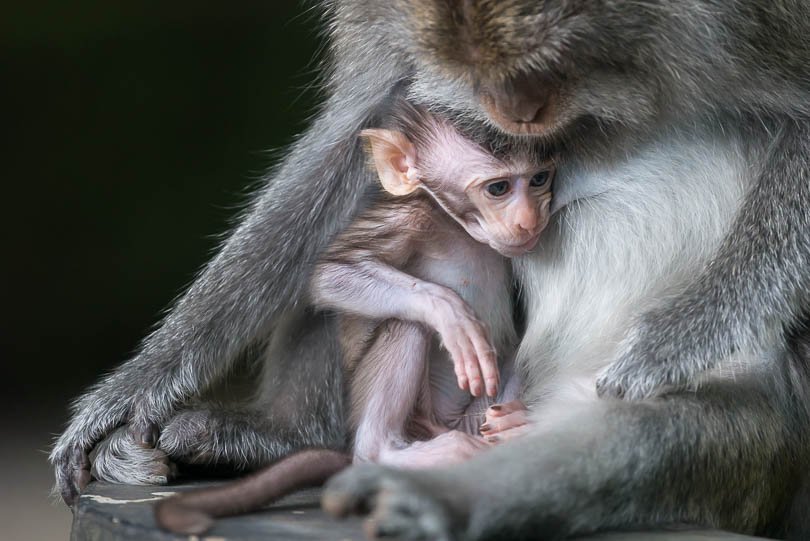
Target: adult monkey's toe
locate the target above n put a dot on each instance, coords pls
(353, 491)
(72, 473)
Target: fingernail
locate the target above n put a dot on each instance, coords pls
(485, 427)
(495, 407)
(493, 439)
(83, 479)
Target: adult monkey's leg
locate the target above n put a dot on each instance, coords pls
(727, 456)
(259, 272)
(299, 404)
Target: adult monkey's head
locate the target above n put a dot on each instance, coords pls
(536, 66)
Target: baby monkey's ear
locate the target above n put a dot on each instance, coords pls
(395, 160)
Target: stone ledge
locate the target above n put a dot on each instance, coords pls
(108, 512)
(112, 512)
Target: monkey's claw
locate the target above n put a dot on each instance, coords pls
(72, 473)
(396, 505)
(146, 436)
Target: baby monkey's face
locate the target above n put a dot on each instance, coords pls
(502, 201)
(509, 211)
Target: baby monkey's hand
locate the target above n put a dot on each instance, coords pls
(466, 338)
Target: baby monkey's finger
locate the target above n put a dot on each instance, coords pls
(474, 375)
(467, 364)
(458, 368)
(488, 362)
(489, 368)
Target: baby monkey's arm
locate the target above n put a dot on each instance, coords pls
(360, 275)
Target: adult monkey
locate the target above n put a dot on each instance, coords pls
(624, 86)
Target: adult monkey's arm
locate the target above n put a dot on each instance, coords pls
(260, 271)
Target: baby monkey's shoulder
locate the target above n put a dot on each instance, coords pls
(414, 213)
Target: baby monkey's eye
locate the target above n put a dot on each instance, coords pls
(497, 189)
(540, 179)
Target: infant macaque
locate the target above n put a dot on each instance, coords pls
(426, 261)
(423, 289)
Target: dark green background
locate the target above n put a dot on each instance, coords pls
(132, 135)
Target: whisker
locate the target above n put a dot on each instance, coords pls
(481, 413)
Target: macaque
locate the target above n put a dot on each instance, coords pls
(673, 277)
(403, 272)
(426, 260)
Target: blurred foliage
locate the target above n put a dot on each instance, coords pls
(132, 134)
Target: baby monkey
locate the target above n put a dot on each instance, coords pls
(423, 289)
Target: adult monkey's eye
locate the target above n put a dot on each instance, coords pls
(540, 179)
(497, 189)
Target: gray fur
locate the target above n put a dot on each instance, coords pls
(615, 466)
(118, 458)
(297, 404)
(633, 75)
(730, 455)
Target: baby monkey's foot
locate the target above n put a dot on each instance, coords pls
(449, 448)
(505, 421)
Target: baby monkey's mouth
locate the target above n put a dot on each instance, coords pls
(514, 250)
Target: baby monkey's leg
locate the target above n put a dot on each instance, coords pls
(385, 386)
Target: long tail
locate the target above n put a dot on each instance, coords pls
(193, 512)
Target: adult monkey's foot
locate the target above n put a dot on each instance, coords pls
(412, 505)
(72, 469)
(128, 456)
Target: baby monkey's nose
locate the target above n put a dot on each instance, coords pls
(526, 221)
